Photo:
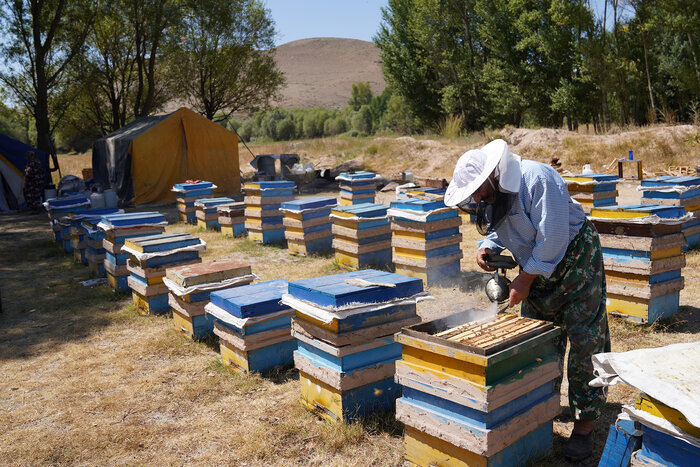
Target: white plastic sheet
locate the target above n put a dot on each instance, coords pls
(347, 179)
(669, 189)
(668, 374)
(417, 216)
(653, 219)
(106, 227)
(235, 321)
(299, 211)
(327, 315)
(659, 424)
(361, 219)
(180, 291)
(141, 256)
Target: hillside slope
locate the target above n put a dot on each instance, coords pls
(321, 71)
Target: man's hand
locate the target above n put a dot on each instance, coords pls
(481, 259)
(520, 288)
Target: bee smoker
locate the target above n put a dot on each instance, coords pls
(498, 287)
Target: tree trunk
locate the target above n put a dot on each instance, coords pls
(646, 66)
(695, 58)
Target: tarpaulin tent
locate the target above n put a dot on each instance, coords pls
(144, 159)
(12, 163)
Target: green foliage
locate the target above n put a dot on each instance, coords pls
(399, 117)
(362, 120)
(361, 95)
(14, 124)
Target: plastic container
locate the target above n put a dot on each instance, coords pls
(111, 199)
(630, 155)
(50, 193)
(586, 170)
(97, 200)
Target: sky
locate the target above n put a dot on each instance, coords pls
(301, 19)
(353, 19)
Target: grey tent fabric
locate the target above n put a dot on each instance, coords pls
(111, 161)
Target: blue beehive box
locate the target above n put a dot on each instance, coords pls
(349, 357)
(307, 225)
(253, 326)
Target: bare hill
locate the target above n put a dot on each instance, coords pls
(321, 71)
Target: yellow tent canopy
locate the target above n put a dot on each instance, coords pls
(143, 160)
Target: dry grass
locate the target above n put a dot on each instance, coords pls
(88, 381)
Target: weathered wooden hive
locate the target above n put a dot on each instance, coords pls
(264, 220)
(149, 257)
(232, 218)
(94, 252)
(344, 325)
(361, 235)
(642, 251)
(425, 239)
(357, 187)
(207, 214)
(677, 191)
(253, 326)
(477, 392)
(307, 225)
(592, 190)
(117, 229)
(190, 287)
(187, 194)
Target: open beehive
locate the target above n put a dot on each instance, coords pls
(484, 388)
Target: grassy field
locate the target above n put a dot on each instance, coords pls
(86, 380)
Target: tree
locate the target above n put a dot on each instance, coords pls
(361, 95)
(44, 37)
(224, 62)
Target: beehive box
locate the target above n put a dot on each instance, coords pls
(232, 219)
(117, 228)
(93, 237)
(357, 187)
(190, 287)
(346, 360)
(207, 213)
(643, 265)
(187, 194)
(149, 257)
(425, 239)
(308, 225)
(59, 207)
(264, 220)
(593, 190)
(253, 326)
(480, 391)
(677, 191)
(361, 235)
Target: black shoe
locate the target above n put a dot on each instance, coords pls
(579, 447)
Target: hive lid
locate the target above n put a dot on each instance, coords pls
(341, 289)
(418, 204)
(252, 300)
(669, 180)
(270, 184)
(162, 242)
(361, 210)
(309, 203)
(192, 186)
(204, 273)
(133, 219)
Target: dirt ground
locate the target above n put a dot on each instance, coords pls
(86, 380)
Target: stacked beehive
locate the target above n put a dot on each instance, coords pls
(207, 213)
(344, 325)
(307, 225)
(119, 227)
(149, 257)
(187, 194)
(357, 187)
(83, 230)
(361, 235)
(57, 208)
(677, 191)
(253, 326)
(95, 252)
(642, 250)
(190, 287)
(478, 393)
(592, 190)
(264, 220)
(425, 239)
(232, 218)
